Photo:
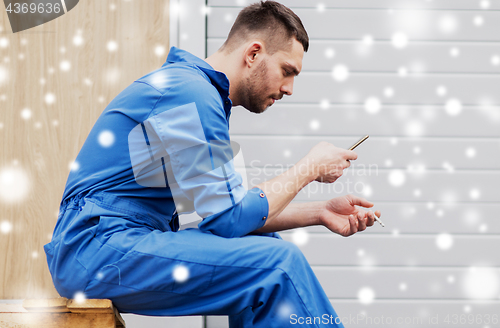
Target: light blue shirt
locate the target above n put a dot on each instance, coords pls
(162, 145)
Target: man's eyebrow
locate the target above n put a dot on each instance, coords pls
(294, 69)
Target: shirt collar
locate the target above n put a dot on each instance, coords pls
(218, 79)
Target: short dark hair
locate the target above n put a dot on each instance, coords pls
(275, 23)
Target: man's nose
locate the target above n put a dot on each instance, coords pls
(287, 88)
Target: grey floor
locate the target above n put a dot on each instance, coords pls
(140, 321)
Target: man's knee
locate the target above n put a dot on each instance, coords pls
(289, 255)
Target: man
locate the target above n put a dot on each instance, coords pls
(161, 148)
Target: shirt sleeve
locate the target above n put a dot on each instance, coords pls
(190, 124)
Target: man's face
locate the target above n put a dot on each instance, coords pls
(273, 77)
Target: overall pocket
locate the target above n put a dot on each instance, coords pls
(148, 272)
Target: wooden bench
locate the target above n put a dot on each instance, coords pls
(60, 313)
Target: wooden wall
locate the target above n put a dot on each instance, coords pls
(431, 106)
(55, 80)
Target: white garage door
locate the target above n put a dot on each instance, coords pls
(422, 78)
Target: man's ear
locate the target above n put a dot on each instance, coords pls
(252, 52)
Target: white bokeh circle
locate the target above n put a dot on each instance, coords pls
(366, 295)
(481, 283)
(79, 297)
(106, 138)
(181, 273)
(5, 227)
(453, 107)
(112, 46)
(399, 40)
(373, 105)
(300, 237)
(340, 73)
(49, 98)
(397, 178)
(444, 241)
(15, 184)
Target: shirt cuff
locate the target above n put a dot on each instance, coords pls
(256, 209)
(248, 215)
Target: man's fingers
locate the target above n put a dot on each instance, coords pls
(370, 219)
(361, 221)
(355, 200)
(352, 225)
(351, 155)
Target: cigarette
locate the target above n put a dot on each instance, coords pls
(378, 220)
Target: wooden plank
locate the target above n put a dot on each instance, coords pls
(12, 308)
(57, 320)
(380, 24)
(431, 218)
(460, 153)
(91, 306)
(120, 323)
(46, 305)
(382, 56)
(379, 4)
(398, 250)
(354, 121)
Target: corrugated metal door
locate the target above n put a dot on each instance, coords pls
(422, 78)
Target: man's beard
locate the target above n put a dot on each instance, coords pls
(257, 91)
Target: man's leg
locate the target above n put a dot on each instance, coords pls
(258, 281)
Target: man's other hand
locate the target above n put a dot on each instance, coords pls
(329, 162)
(341, 215)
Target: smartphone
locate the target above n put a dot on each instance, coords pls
(359, 142)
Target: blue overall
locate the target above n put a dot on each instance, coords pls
(161, 148)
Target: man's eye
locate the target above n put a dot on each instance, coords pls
(286, 73)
